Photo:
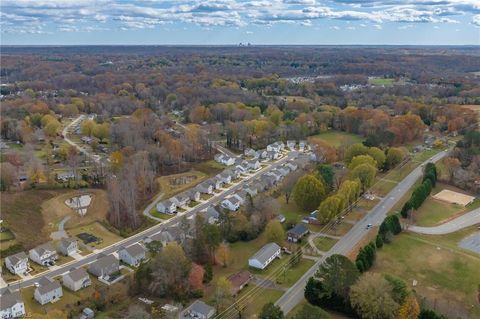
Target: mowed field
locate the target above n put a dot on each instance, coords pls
(337, 138)
(447, 276)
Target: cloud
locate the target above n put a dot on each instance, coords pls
(75, 16)
(476, 20)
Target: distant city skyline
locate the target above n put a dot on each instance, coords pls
(310, 22)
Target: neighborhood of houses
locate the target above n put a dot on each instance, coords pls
(107, 268)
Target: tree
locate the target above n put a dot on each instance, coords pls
(101, 131)
(354, 150)
(328, 174)
(195, 278)
(324, 152)
(362, 159)
(137, 312)
(52, 128)
(366, 174)
(223, 293)
(309, 311)
(87, 127)
(212, 239)
(378, 155)
(395, 156)
(399, 288)
(410, 309)
(331, 207)
(451, 165)
(337, 275)
(223, 254)
(289, 182)
(274, 232)
(371, 297)
(308, 192)
(270, 311)
(430, 314)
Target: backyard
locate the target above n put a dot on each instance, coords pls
(98, 230)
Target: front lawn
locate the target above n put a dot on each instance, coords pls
(325, 243)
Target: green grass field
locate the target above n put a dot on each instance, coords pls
(155, 213)
(96, 229)
(381, 81)
(324, 243)
(210, 168)
(446, 274)
(338, 138)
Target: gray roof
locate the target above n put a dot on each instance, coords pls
(213, 211)
(135, 250)
(200, 307)
(77, 274)
(233, 200)
(103, 262)
(9, 298)
(167, 203)
(163, 236)
(15, 259)
(266, 252)
(299, 229)
(66, 242)
(44, 248)
(46, 285)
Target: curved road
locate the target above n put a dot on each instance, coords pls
(294, 294)
(464, 221)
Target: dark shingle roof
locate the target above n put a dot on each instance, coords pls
(46, 285)
(77, 274)
(9, 298)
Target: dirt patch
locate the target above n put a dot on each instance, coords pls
(453, 197)
(54, 209)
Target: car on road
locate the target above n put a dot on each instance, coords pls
(369, 226)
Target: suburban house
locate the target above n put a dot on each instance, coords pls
(284, 171)
(212, 214)
(225, 177)
(217, 183)
(264, 256)
(198, 310)
(65, 176)
(236, 173)
(18, 263)
(274, 147)
(48, 290)
(44, 255)
(239, 281)
(250, 152)
(291, 145)
(132, 255)
(268, 180)
(76, 279)
(263, 154)
(87, 313)
(11, 305)
(253, 164)
(193, 194)
(241, 196)
(302, 146)
(164, 237)
(296, 233)
(104, 266)
(272, 155)
(231, 203)
(251, 189)
(224, 159)
(275, 174)
(292, 166)
(205, 188)
(167, 207)
(68, 246)
(181, 200)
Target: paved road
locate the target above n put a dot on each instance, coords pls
(466, 220)
(148, 232)
(294, 294)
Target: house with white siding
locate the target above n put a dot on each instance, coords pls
(48, 290)
(253, 164)
(205, 188)
(68, 246)
(44, 255)
(76, 279)
(132, 255)
(167, 207)
(193, 194)
(18, 263)
(265, 256)
(181, 200)
(11, 305)
(104, 266)
(231, 203)
(291, 144)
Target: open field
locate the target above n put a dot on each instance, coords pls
(177, 183)
(381, 81)
(285, 278)
(324, 243)
(99, 231)
(261, 297)
(209, 168)
(338, 138)
(55, 209)
(447, 275)
(157, 214)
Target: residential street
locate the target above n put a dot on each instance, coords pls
(466, 220)
(148, 232)
(375, 217)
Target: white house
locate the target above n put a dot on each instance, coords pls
(251, 189)
(253, 165)
(193, 194)
(11, 305)
(48, 290)
(167, 207)
(225, 177)
(241, 196)
(104, 266)
(292, 166)
(212, 215)
(180, 200)
(197, 310)
(264, 256)
(224, 159)
(205, 188)
(250, 152)
(68, 246)
(76, 279)
(18, 263)
(217, 183)
(291, 145)
(272, 155)
(231, 203)
(44, 255)
(284, 171)
(302, 146)
(132, 255)
(263, 154)
(242, 168)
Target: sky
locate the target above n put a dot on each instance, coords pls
(230, 22)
